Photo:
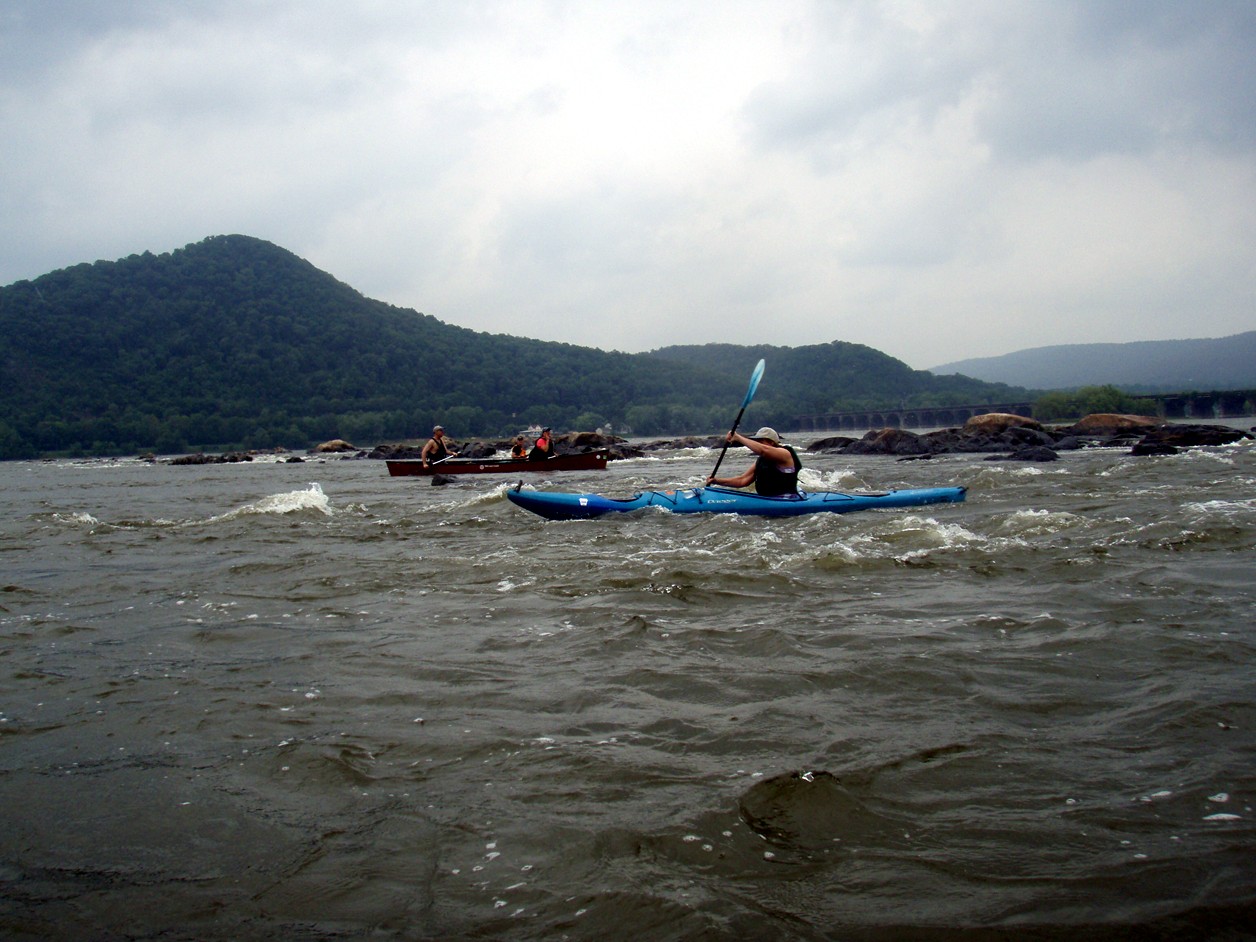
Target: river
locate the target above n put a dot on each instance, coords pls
(277, 700)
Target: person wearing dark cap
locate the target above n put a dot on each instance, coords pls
(519, 448)
(776, 466)
(544, 447)
(436, 449)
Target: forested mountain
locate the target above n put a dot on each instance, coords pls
(233, 342)
(1146, 366)
(835, 377)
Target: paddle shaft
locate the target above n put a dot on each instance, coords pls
(754, 384)
(724, 450)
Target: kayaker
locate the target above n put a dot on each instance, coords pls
(436, 448)
(519, 449)
(776, 467)
(544, 447)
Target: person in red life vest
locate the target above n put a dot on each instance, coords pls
(544, 447)
(776, 466)
(436, 449)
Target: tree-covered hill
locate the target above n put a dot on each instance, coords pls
(836, 377)
(233, 342)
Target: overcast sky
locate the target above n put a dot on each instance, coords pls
(935, 179)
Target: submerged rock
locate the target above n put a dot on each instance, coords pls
(1029, 453)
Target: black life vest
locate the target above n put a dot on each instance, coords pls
(771, 481)
(539, 452)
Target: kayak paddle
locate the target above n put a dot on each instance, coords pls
(754, 385)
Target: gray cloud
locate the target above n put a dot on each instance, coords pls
(919, 177)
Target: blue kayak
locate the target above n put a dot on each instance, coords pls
(555, 505)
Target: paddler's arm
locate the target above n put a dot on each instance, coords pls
(779, 456)
(742, 480)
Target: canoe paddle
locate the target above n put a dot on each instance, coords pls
(754, 385)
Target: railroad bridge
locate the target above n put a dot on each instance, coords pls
(916, 417)
(1205, 405)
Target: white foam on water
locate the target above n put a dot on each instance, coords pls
(1024, 523)
(312, 498)
(1227, 509)
(844, 480)
(81, 518)
(940, 535)
(1205, 455)
(493, 495)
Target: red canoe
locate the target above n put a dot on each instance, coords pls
(586, 461)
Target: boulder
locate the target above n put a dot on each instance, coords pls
(889, 441)
(1110, 424)
(335, 445)
(589, 441)
(992, 423)
(477, 451)
(1020, 436)
(396, 451)
(835, 443)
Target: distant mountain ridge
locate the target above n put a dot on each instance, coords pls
(1146, 366)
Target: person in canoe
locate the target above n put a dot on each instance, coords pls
(544, 447)
(519, 450)
(776, 466)
(436, 449)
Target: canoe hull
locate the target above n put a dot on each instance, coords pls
(586, 461)
(561, 506)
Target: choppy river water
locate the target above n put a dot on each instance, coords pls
(271, 701)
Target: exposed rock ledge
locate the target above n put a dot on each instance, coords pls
(1017, 438)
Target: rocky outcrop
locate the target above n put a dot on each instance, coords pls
(579, 442)
(1187, 436)
(230, 457)
(1016, 438)
(992, 423)
(1003, 436)
(1111, 424)
(890, 441)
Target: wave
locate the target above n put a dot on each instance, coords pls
(312, 498)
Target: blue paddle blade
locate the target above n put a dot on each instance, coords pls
(754, 384)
